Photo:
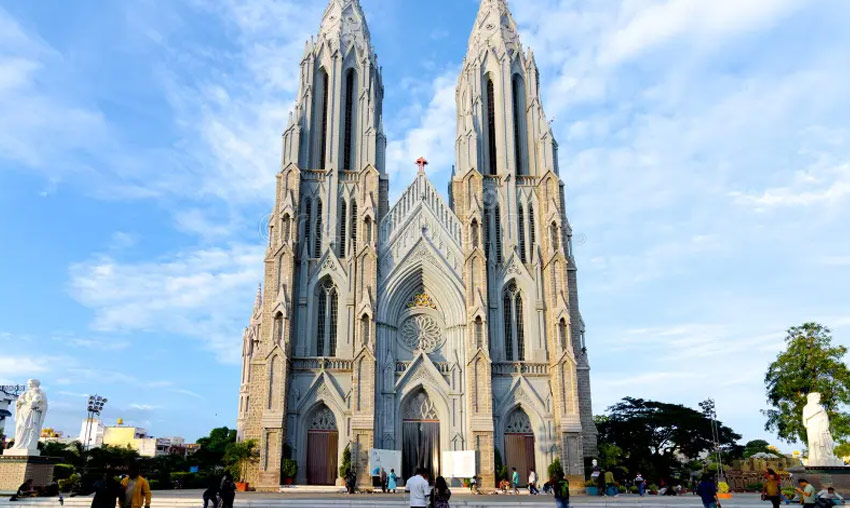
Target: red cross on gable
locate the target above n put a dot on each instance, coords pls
(421, 162)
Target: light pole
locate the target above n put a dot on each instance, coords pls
(95, 406)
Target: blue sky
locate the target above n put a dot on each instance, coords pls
(705, 146)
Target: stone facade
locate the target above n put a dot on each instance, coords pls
(462, 313)
(14, 471)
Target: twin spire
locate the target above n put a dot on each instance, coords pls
(344, 24)
(494, 27)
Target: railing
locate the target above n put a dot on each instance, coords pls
(348, 176)
(443, 367)
(526, 180)
(528, 369)
(322, 363)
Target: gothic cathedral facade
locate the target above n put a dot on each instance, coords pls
(428, 326)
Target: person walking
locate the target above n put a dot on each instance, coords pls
(392, 480)
(419, 489)
(641, 484)
(610, 488)
(210, 495)
(807, 492)
(707, 491)
(440, 494)
(561, 488)
(227, 490)
(137, 492)
(532, 482)
(383, 477)
(107, 491)
(771, 490)
(515, 481)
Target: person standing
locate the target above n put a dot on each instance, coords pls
(383, 477)
(107, 492)
(419, 489)
(532, 482)
(227, 490)
(440, 494)
(610, 488)
(137, 492)
(807, 492)
(640, 483)
(707, 491)
(392, 480)
(210, 494)
(515, 481)
(771, 488)
(561, 489)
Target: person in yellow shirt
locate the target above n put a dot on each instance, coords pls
(137, 492)
(772, 486)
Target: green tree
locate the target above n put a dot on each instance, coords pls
(345, 467)
(239, 455)
(212, 449)
(810, 363)
(653, 436)
(756, 446)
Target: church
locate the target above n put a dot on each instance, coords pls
(427, 326)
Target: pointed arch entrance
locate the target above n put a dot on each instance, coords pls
(420, 436)
(322, 447)
(519, 444)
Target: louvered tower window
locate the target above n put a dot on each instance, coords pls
(354, 228)
(317, 245)
(491, 125)
(308, 220)
(519, 112)
(349, 119)
(531, 229)
(521, 233)
(343, 221)
(323, 140)
(498, 220)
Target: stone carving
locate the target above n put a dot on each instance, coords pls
(420, 407)
(323, 419)
(421, 333)
(30, 411)
(421, 300)
(518, 423)
(821, 445)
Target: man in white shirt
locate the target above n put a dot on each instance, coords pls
(419, 489)
(829, 497)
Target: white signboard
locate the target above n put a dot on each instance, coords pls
(458, 464)
(387, 459)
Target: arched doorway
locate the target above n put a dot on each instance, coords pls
(420, 436)
(519, 444)
(322, 447)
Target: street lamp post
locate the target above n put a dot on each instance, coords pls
(95, 406)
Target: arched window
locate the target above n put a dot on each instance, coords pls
(369, 230)
(343, 221)
(349, 120)
(323, 139)
(308, 220)
(274, 367)
(491, 125)
(514, 325)
(531, 229)
(286, 227)
(279, 271)
(553, 231)
(562, 333)
(521, 233)
(474, 233)
(479, 332)
(278, 328)
(498, 220)
(365, 325)
(326, 319)
(354, 228)
(518, 89)
(317, 245)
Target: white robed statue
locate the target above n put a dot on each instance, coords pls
(29, 418)
(821, 445)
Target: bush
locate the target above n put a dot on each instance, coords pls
(63, 471)
(555, 468)
(633, 489)
(723, 487)
(590, 483)
(345, 467)
(70, 483)
(653, 488)
(288, 468)
(185, 480)
(621, 489)
(155, 484)
(755, 486)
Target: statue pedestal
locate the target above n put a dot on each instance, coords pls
(823, 477)
(12, 452)
(16, 469)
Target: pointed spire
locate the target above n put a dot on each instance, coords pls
(258, 301)
(494, 26)
(344, 24)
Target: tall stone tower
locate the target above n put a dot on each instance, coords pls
(321, 261)
(520, 272)
(426, 328)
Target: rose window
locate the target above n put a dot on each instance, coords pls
(421, 332)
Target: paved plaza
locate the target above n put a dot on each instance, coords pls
(192, 498)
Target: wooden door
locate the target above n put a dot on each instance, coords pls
(322, 457)
(519, 454)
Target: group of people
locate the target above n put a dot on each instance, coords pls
(220, 493)
(805, 493)
(389, 482)
(423, 496)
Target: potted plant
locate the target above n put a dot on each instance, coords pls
(590, 488)
(288, 469)
(465, 482)
(345, 467)
(723, 491)
(237, 457)
(653, 490)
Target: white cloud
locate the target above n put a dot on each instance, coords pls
(204, 294)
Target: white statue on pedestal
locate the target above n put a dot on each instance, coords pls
(820, 440)
(29, 418)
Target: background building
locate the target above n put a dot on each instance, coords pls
(428, 326)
